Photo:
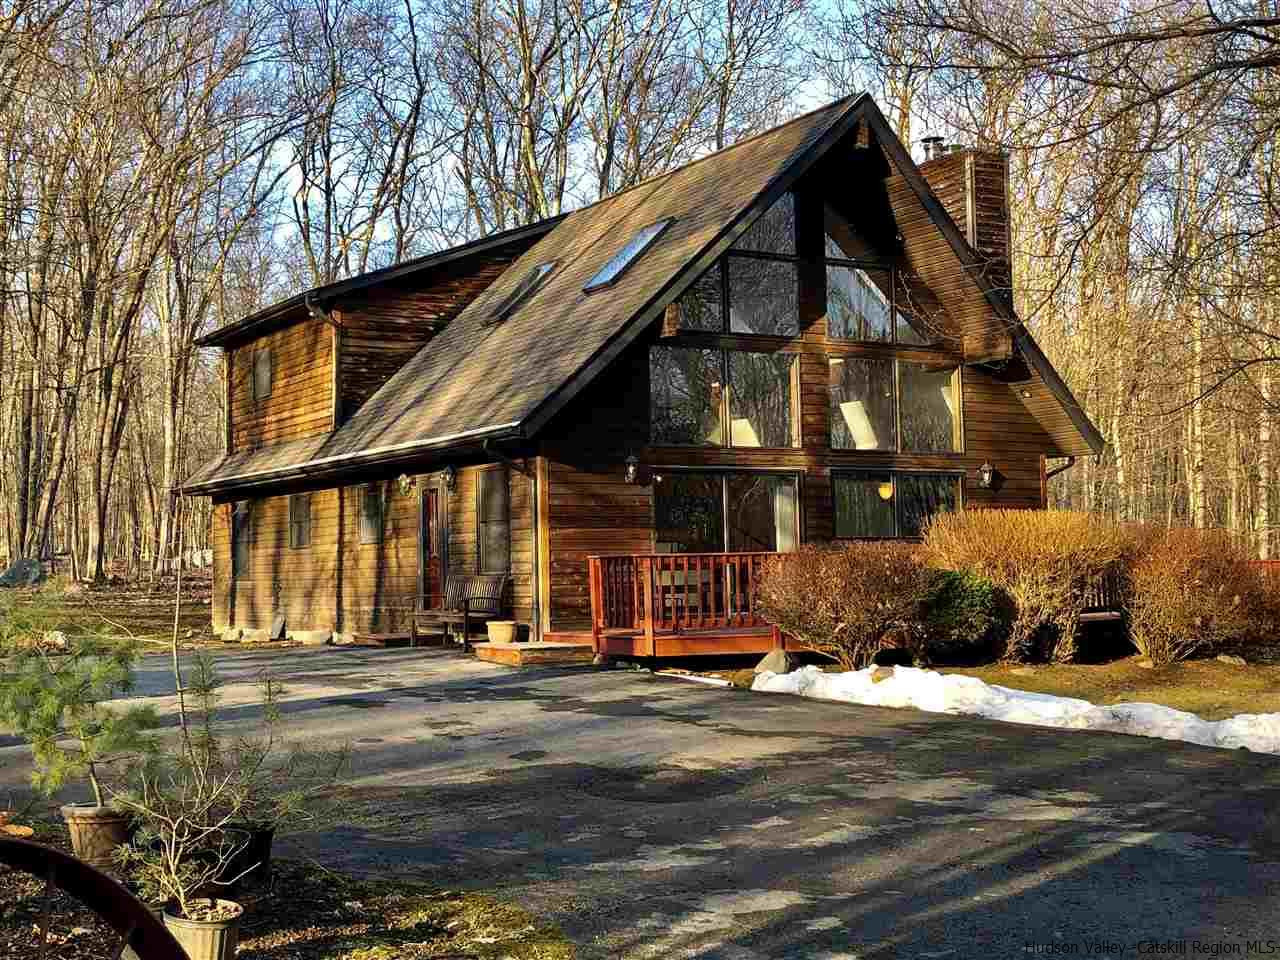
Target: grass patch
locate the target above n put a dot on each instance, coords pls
(1212, 690)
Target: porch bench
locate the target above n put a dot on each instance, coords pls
(468, 598)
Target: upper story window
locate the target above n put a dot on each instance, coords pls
(893, 405)
(754, 288)
(530, 282)
(868, 300)
(635, 247)
(260, 374)
(372, 511)
(722, 398)
(299, 521)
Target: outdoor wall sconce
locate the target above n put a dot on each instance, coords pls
(986, 476)
(451, 478)
(631, 472)
(406, 484)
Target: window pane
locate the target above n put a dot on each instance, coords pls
(700, 307)
(864, 505)
(684, 396)
(530, 282)
(760, 399)
(637, 245)
(858, 305)
(920, 317)
(299, 520)
(862, 415)
(262, 374)
(762, 297)
(689, 513)
(774, 231)
(928, 408)
(370, 513)
(920, 496)
(241, 534)
(495, 524)
(763, 513)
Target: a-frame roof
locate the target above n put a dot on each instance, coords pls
(480, 380)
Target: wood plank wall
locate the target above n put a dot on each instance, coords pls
(301, 400)
(382, 331)
(340, 584)
(591, 507)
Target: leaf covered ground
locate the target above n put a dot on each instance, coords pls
(304, 913)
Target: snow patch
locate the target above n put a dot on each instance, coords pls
(953, 693)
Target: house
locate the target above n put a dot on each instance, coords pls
(803, 337)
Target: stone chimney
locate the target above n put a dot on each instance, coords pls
(973, 186)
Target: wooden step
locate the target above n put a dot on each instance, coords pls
(534, 654)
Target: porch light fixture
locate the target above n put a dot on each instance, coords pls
(986, 475)
(885, 490)
(406, 484)
(451, 478)
(631, 472)
(1026, 393)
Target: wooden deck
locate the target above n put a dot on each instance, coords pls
(678, 605)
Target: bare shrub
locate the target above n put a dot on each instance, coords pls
(1047, 562)
(1194, 591)
(847, 600)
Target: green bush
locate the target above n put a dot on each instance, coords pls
(965, 617)
(1048, 563)
(1194, 591)
(846, 601)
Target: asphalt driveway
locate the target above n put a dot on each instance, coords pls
(658, 818)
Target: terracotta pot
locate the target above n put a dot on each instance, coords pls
(206, 939)
(96, 832)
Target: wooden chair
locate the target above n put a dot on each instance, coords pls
(468, 598)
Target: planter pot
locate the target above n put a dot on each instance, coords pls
(252, 864)
(206, 939)
(502, 631)
(158, 913)
(95, 832)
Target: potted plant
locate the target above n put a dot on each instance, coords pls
(184, 800)
(54, 698)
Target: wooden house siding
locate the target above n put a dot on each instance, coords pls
(463, 531)
(382, 331)
(301, 400)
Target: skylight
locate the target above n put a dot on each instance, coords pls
(530, 282)
(612, 271)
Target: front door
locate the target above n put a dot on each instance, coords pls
(430, 554)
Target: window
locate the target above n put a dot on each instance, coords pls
(530, 282)
(371, 513)
(928, 408)
(300, 521)
(689, 405)
(494, 521)
(880, 504)
(872, 301)
(635, 247)
(754, 288)
(241, 537)
(862, 404)
(714, 512)
(260, 375)
(893, 405)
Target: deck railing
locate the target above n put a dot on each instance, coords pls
(674, 592)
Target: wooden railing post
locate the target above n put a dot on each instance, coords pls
(646, 584)
(596, 585)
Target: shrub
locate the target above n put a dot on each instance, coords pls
(1193, 591)
(846, 601)
(964, 616)
(1046, 562)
